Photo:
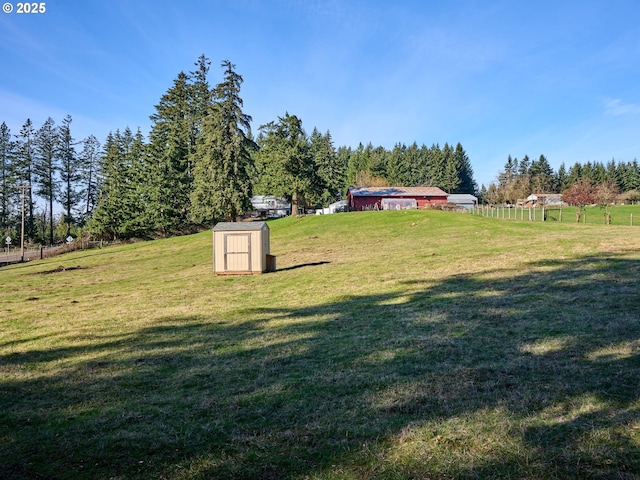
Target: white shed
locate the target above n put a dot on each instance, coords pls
(241, 248)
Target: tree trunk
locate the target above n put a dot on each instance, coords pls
(294, 204)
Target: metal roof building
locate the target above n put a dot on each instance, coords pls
(370, 198)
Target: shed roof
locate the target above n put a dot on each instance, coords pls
(240, 226)
(397, 192)
(462, 198)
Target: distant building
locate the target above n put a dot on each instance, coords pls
(270, 206)
(371, 198)
(546, 199)
(463, 200)
(340, 206)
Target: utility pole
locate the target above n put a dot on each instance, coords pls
(24, 189)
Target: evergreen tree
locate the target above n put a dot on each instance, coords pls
(176, 128)
(45, 169)
(465, 172)
(575, 174)
(24, 171)
(90, 173)
(329, 167)
(562, 179)
(284, 162)
(541, 175)
(450, 179)
(70, 173)
(123, 194)
(631, 176)
(172, 134)
(437, 166)
(223, 162)
(525, 165)
(359, 161)
(397, 169)
(612, 175)
(510, 171)
(8, 188)
(482, 195)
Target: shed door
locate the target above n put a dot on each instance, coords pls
(237, 252)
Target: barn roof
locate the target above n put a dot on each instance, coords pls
(397, 192)
(239, 226)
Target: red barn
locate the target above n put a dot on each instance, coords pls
(371, 198)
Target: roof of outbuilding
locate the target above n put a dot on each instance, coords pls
(457, 197)
(239, 226)
(397, 191)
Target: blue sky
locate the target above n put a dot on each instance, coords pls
(559, 78)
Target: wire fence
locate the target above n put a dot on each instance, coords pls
(618, 214)
(10, 255)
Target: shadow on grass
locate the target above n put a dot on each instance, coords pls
(294, 267)
(542, 366)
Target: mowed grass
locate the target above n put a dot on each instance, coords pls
(391, 345)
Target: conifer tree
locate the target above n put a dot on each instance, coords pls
(284, 162)
(46, 167)
(70, 173)
(541, 175)
(465, 172)
(171, 138)
(24, 170)
(123, 194)
(450, 179)
(561, 180)
(223, 162)
(328, 165)
(90, 173)
(8, 188)
(437, 166)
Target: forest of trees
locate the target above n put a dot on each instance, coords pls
(201, 163)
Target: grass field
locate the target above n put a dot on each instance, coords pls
(388, 345)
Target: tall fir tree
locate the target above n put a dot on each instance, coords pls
(465, 172)
(541, 175)
(24, 168)
(437, 166)
(123, 192)
(70, 174)
(329, 167)
(171, 138)
(90, 175)
(46, 168)
(284, 162)
(8, 187)
(176, 126)
(450, 179)
(223, 161)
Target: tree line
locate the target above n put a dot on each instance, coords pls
(520, 178)
(199, 164)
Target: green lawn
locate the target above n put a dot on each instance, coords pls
(388, 345)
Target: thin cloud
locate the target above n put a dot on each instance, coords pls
(617, 108)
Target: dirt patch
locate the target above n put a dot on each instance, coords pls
(59, 269)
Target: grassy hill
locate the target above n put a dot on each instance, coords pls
(413, 344)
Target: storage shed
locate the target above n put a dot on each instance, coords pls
(242, 248)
